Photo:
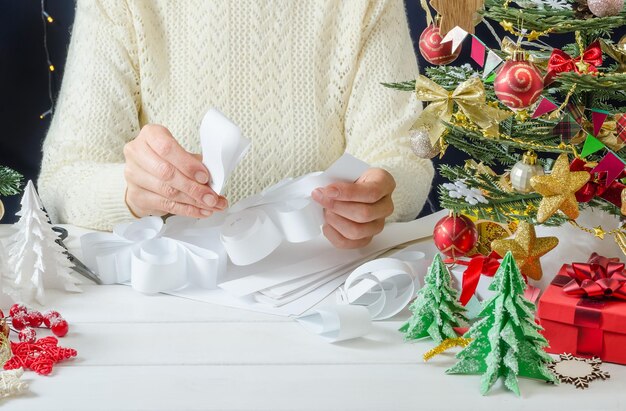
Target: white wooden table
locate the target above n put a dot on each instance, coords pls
(140, 352)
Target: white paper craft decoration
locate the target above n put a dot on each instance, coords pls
(36, 261)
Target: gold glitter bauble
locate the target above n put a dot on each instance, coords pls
(526, 249)
(558, 190)
(421, 146)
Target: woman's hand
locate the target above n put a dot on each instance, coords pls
(163, 178)
(356, 212)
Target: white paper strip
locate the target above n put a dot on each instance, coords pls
(338, 323)
(223, 147)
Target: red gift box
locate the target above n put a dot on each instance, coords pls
(580, 325)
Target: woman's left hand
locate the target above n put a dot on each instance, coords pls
(356, 212)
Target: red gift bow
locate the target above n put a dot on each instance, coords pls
(597, 186)
(561, 62)
(477, 266)
(597, 278)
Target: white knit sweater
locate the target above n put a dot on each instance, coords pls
(300, 77)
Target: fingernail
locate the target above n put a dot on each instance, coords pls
(206, 213)
(222, 203)
(209, 200)
(317, 194)
(202, 178)
(332, 193)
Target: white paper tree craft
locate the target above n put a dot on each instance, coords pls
(36, 261)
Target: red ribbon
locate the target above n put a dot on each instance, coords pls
(597, 185)
(561, 62)
(477, 266)
(600, 277)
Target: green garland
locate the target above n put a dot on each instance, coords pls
(558, 21)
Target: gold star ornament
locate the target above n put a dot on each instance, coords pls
(558, 190)
(526, 249)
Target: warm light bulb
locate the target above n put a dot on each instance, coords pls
(48, 17)
(51, 67)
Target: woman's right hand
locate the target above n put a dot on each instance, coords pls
(162, 178)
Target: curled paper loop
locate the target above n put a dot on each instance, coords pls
(338, 323)
(250, 236)
(384, 286)
(156, 257)
(223, 147)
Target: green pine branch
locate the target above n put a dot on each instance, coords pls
(558, 21)
(10, 181)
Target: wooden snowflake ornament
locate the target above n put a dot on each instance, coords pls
(578, 371)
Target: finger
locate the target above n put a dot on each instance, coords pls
(373, 185)
(352, 230)
(139, 177)
(342, 242)
(357, 212)
(170, 175)
(149, 203)
(165, 146)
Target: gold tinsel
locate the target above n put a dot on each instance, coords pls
(558, 190)
(446, 345)
(526, 249)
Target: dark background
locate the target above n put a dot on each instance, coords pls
(24, 81)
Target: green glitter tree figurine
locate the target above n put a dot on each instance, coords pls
(436, 309)
(505, 341)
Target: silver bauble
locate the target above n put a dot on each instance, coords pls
(421, 146)
(605, 8)
(523, 171)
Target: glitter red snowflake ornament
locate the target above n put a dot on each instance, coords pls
(39, 356)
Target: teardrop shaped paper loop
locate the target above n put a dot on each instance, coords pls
(250, 236)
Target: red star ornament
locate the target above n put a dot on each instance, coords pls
(39, 356)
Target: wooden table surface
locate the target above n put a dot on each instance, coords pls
(139, 352)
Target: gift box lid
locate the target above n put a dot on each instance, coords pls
(606, 314)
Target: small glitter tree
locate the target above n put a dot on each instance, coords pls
(505, 341)
(436, 309)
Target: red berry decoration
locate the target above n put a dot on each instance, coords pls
(34, 318)
(433, 50)
(19, 320)
(455, 235)
(15, 308)
(48, 316)
(59, 327)
(28, 335)
(518, 83)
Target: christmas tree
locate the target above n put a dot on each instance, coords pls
(436, 309)
(505, 341)
(526, 109)
(35, 258)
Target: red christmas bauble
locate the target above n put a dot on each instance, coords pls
(518, 84)
(433, 50)
(455, 236)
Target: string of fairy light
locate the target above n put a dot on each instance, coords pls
(46, 19)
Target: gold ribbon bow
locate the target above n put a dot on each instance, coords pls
(470, 98)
